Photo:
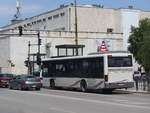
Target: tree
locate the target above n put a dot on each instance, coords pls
(144, 52)
(140, 43)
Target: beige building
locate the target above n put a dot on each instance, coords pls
(95, 24)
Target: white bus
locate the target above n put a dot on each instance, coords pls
(107, 71)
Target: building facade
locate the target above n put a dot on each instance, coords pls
(95, 24)
(14, 49)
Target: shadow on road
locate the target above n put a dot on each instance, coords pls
(103, 92)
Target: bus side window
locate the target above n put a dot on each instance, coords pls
(95, 68)
(52, 69)
(85, 67)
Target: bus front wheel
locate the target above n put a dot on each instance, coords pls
(83, 86)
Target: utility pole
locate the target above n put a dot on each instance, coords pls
(39, 41)
(38, 53)
(76, 24)
(76, 27)
(29, 61)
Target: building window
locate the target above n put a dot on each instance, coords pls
(38, 21)
(60, 29)
(44, 19)
(24, 25)
(44, 27)
(34, 22)
(50, 18)
(62, 14)
(63, 28)
(56, 16)
(28, 24)
(109, 30)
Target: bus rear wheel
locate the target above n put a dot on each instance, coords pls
(83, 86)
(52, 84)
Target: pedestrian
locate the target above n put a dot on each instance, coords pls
(136, 79)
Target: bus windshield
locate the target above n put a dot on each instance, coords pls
(125, 61)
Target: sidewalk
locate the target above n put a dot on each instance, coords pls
(133, 90)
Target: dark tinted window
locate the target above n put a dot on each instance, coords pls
(45, 68)
(25, 76)
(37, 74)
(30, 76)
(6, 75)
(56, 16)
(136, 72)
(119, 61)
(84, 68)
(96, 68)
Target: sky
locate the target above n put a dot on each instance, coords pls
(31, 8)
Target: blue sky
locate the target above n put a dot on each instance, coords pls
(34, 7)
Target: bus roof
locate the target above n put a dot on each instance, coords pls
(108, 52)
(90, 55)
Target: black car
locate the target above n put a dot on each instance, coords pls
(24, 82)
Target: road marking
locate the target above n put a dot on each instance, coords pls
(129, 102)
(61, 110)
(85, 100)
(118, 100)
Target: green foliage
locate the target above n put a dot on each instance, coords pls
(140, 43)
(144, 52)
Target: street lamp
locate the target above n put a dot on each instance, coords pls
(76, 26)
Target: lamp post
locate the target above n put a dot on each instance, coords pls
(76, 24)
(29, 62)
(38, 53)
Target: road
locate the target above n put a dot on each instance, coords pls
(62, 101)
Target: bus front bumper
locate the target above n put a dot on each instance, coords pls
(119, 85)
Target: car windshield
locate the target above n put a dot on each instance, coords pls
(6, 75)
(30, 76)
(25, 76)
(37, 74)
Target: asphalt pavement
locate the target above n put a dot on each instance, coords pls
(64, 101)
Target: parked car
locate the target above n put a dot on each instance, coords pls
(23, 82)
(5, 78)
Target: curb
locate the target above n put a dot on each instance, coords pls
(138, 92)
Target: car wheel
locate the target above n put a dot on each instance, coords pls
(6, 86)
(38, 89)
(10, 87)
(20, 87)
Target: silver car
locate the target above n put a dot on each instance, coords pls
(25, 82)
